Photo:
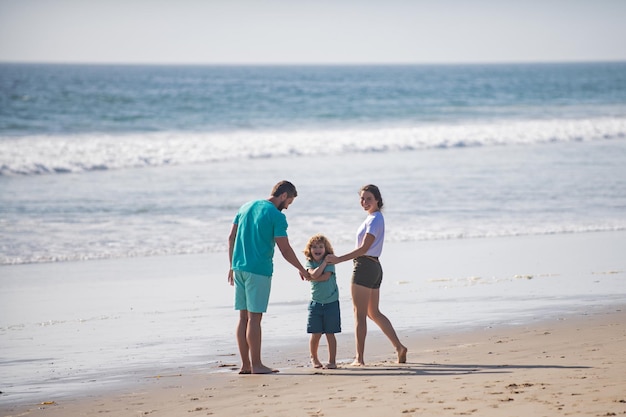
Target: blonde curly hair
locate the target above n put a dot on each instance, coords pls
(318, 238)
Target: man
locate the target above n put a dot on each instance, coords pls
(256, 227)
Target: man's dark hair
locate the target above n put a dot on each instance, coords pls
(284, 187)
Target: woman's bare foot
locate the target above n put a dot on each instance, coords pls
(402, 354)
(263, 370)
(331, 365)
(316, 363)
(357, 363)
(244, 371)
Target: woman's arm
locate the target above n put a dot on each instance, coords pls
(360, 251)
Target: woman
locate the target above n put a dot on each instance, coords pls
(368, 274)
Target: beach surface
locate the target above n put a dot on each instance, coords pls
(528, 325)
(572, 365)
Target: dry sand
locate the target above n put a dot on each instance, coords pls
(574, 365)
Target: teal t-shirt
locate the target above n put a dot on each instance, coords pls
(258, 224)
(324, 291)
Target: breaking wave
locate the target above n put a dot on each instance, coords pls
(41, 154)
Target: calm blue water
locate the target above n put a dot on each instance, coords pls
(118, 161)
(65, 100)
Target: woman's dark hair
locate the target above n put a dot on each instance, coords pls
(376, 192)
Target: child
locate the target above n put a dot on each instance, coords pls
(324, 315)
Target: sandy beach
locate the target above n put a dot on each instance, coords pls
(572, 365)
(520, 326)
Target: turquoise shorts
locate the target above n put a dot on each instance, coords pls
(252, 291)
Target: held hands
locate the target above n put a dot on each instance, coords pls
(331, 259)
(305, 276)
(311, 273)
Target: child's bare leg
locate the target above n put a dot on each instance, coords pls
(332, 351)
(314, 344)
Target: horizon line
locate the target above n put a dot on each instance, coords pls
(311, 64)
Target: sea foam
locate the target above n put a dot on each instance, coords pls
(39, 154)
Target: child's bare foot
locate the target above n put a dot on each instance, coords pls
(402, 354)
(316, 363)
(331, 365)
(263, 370)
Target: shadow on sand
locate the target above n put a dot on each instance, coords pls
(425, 369)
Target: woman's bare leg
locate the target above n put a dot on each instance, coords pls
(385, 325)
(360, 302)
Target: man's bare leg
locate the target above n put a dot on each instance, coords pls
(242, 342)
(254, 344)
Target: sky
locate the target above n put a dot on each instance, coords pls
(312, 31)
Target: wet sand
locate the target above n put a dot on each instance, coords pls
(569, 365)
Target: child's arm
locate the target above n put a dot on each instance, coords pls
(318, 273)
(323, 277)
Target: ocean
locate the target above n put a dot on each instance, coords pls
(110, 167)
(117, 161)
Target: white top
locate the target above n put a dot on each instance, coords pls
(374, 224)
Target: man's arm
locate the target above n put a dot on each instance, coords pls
(287, 251)
(231, 247)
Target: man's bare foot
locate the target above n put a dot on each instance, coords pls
(316, 363)
(244, 371)
(402, 354)
(331, 365)
(263, 370)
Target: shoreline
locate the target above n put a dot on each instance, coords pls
(572, 364)
(72, 329)
(451, 240)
